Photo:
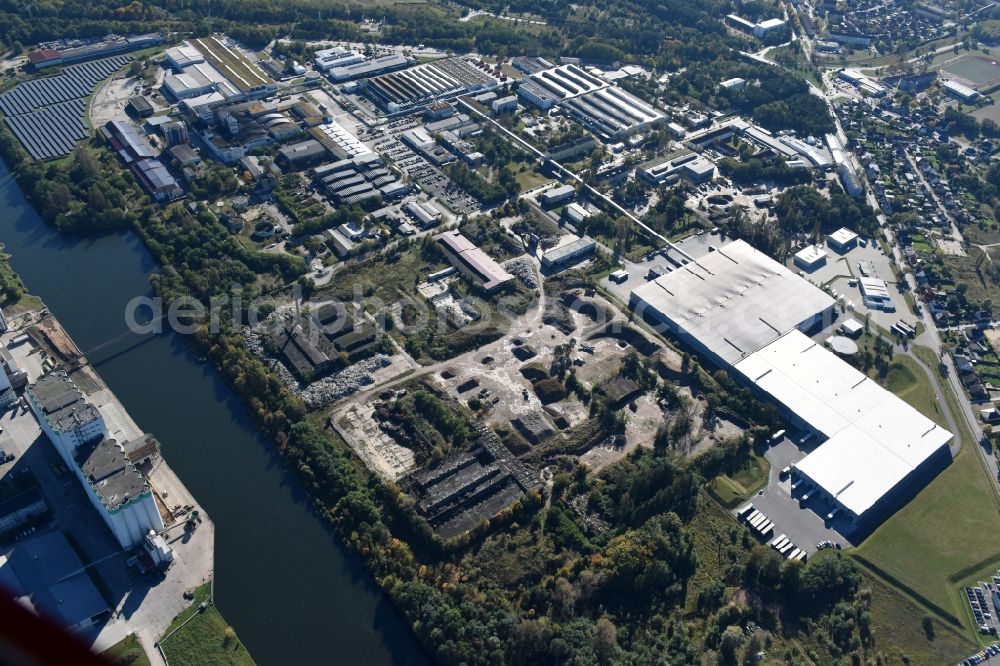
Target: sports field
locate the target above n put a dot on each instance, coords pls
(975, 71)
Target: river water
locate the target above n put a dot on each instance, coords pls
(282, 580)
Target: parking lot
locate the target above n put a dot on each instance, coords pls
(804, 522)
(385, 141)
(840, 269)
(988, 655)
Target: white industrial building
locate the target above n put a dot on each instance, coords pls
(185, 55)
(196, 80)
(875, 293)
(576, 213)
(878, 449)
(77, 430)
(842, 240)
(810, 257)
(961, 92)
(766, 28)
(863, 83)
(731, 302)
(338, 56)
(747, 314)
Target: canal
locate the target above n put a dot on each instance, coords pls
(282, 579)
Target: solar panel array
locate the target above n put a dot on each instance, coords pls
(47, 115)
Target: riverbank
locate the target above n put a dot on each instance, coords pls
(282, 577)
(139, 604)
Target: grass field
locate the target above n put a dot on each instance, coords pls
(127, 652)
(734, 490)
(991, 111)
(939, 539)
(202, 637)
(909, 381)
(899, 632)
(529, 179)
(936, 543)
(977, 69)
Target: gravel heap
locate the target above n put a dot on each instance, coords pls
(341, 384)
(523, 270)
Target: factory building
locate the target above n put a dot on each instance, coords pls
(7, 395)
(691, 166)
(842, 240)
(118, 491)
(574, 150)
(576, 213)
(68, 51)
(78, 432)
(557, 195)
(769, 28)
(357, 180)
(373, 67)
(567, 81)
(810, 257)
(425, 214)
(747, 313)
(64, 415)
(22, 509)
(613, 113)
(731, 302)
(140, 156)
(961, 92)
(605, 109)
(156, 180)
(848, 175)
(472, 261)
(196, 80)
(537, 95)
(504, 104)
(180, 57)
(45, 574)
(338, 56)
(567, 254)
(299, 155)
(419, 86)
(863, 83)
(875, 293)
(765, 30)
(878, 450)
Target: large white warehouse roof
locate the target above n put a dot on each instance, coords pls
(875, 439)
(732, 301)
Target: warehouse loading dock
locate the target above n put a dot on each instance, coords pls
(878, 449)
(746, 313)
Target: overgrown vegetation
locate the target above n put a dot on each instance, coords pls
(200, 636)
